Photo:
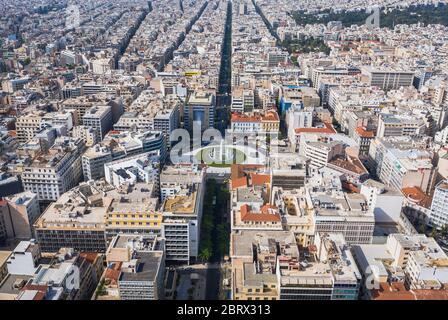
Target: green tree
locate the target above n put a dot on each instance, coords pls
(223, 238)
(434, 233)
(444, 230)
(205, 254)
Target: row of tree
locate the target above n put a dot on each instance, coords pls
(306, 45)
(425, 14)
(214, 231)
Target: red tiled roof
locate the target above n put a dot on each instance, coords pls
(350, 187)
(327, 130)
(397, 291)
(89, 256)
(416, 194)
(270, 116)
(350, 164)
(259, 179)
(263, 216)
(112, 274)
(431, 294)
(362, 132)
(41, 290)
(239, 182)
(394, 291)
(236, 117)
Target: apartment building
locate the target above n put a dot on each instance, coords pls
(413, 261)
(142, 277)
(13, 85)
(320, 153)
(387, 79)
(134, 210)
(402, 162)
(23, 211)
(347, 278)
(77, 219)
(297, 217)
(55, 171)
(139, 168)
(268, 265)
(254, 257)
(24, 258)
(276, 58)
(167, 120)
(182, 192)
(439, 206)
(298, 117)
(89, 134)
(28, 125)
(199, 108)
(399, 125)
(243, 100)
(301, 96)
(387, 203)
(79, 105)
(99, 118)
(137, 264)
(338, 212)
(363, 138)
(119, 146)
(58, 280)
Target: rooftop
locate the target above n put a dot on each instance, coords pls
(147, 266)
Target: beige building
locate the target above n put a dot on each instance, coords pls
(28, 125)
(88, 134)
(299, 218)
(23, 210)
(254, 271)
(4, 256)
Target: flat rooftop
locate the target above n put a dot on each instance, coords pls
(4, 255)
(148, 266)
(11, 285)
(250, 194)
(242, 240)
(184, 204)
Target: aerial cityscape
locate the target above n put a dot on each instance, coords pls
(224, 150)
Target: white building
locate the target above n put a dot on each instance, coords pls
(56, 171)
(24, 259)
(182, 193)
(386, 203)
(387, 79)
(119, 146)
(140, 168)
(99, 118)
(424, 262)
(399, 125)
(439, 206)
